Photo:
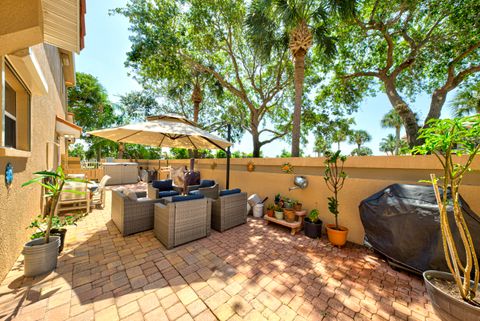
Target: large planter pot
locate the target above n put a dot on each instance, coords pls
(289, 215)
(337, 237)
(447, 307)
(279, 215)
(61, 233)
(312, 230)
(40, 257)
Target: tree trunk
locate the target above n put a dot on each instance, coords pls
(397, 140)
(338, 145)
(439, 97)
(196, 111)
(256, 144)
(299, 77)
(197, 100)
(121, 149)
(407, 115)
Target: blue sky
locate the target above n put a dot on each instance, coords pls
(107, 43)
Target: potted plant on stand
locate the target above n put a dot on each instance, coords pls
(40, 254)
(278, 212)
(270, 209)
(289, 211)
(335, 178)
(453, 294)
(313, 225)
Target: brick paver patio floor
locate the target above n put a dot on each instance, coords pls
(251, 272)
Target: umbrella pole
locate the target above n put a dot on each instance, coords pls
(229, 137)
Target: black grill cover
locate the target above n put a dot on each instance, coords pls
(402, 222)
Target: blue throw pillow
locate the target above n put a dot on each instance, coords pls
(167, 194)
(207, 183)
(183, 198)
(230, 191)
(163, 185)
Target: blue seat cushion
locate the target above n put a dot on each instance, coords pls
(167, 194)
(207, 183)
(163, 185)
(183, 198)
(230, 191)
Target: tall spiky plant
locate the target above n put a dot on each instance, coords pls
(53, 182)
(300, 25)
(447, 139)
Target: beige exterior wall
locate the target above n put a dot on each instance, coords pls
(366, 175)
(19, 205)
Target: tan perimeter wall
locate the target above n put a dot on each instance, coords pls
(366, 175)
(19, 205)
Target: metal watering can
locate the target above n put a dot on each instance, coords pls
(300, 182)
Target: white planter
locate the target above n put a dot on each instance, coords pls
(258, 210)
(40, 257)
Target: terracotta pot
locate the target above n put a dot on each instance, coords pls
(337, 237)
(297, 207)
(269, 213)
(289, 215)
(445, 306)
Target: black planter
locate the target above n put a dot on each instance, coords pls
(61, 233)
(312, 230)
(446, 307)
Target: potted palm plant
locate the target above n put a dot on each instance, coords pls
(453, 294)
(313, 225)
(40, 254)
(58, 227)
(288, 211)
(335, 178)
(278, 212)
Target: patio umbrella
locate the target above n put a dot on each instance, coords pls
(164, 131)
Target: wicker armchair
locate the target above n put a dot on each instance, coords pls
(166, 190)
(132, 216)
(229, 211)
(177, 223)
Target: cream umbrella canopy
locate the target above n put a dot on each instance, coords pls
(167, 131)
(164, 131)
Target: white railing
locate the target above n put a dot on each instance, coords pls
(90, 164)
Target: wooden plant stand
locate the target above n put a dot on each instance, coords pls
(295, 226)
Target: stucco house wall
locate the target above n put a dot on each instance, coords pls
(19, 205)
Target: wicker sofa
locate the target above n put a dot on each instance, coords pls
(229, 211)
(181, 222)
(132, 216)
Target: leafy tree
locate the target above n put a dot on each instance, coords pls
(172, 38)
(409, 47)
(88, 100)
(77, 150)
(179, 153)
(393, 120)
(135, 106)
(389, 145)
(362, 151)
(359, 137)
(298, 25)
(467, 101)
(341, 130)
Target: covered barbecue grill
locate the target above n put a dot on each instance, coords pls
(402, 223)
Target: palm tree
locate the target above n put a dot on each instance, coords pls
(359, 137)
(467, 101)
(393, 120)
(300, 25)
(389, 144)
(363, 151)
